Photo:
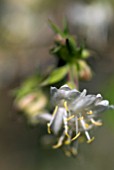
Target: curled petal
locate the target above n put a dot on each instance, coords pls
(103, 103)
(65, 87)
(64, 93)
(83, 103)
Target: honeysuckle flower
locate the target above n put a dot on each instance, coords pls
(75, 114)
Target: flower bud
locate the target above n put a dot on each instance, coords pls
(85, 72)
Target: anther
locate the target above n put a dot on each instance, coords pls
(81, 118)
(91, 140)
(96, 123)
(86, 125)
(90, 112)
(74, 138)
(49, 124)
(48, 128)
(65, 105)
(67, 142)
(69, 118)
(59, 144)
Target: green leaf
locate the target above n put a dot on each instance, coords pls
(29, 85)
(66, 29)
(56, 75)
(55, 28)
(55, 50)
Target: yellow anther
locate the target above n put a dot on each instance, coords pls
(86, 125)
(69, 118)
(59, 144)
(67, 142)
(90, 112)
(65, 105)
(74, 138)
(81, 118)
(96, 123)
(49, 124)
(91, 140)
(48, 128)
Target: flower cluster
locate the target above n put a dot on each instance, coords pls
(75, 114)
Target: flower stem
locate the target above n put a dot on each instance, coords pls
(73, 76)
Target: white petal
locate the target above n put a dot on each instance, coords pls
(65, 87)
(103, 103)
(83, 93)
(99, 96)
(83, 103)
(53, 90)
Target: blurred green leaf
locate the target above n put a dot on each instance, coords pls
(57, 75)
(29, 85)
(55, 28)
(66, 47)
(66, 28)
(55, 50)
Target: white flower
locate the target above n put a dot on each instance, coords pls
(75, 115)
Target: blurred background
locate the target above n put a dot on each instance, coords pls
(25, 39)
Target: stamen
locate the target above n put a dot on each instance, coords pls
(48, 128)
(74, 138)
(66, 106)
(69, 118)
(53, 116)
(86, 125)
(56, 108)
(81, 118)
(91, 140)
(60, 142)
(67, 142)
(96, 123)
(66, 125)
(66, 133)
(90, 112)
